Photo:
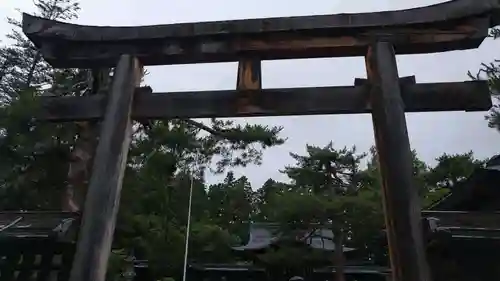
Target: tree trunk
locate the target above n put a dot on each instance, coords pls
(3, 69)
(339, 259)
(82, 154)
(79, 167)
(31, 72)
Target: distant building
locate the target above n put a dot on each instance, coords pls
(37, 245)
(463, 229)
(462, 233)
(265, 237)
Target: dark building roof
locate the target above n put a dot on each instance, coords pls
(263, 235)
(479, 192)
(349, 269)
(471, 210)
(37, 245)
(38, 225)
(494, 163)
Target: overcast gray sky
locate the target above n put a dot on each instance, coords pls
(431, 134)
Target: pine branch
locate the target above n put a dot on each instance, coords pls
(208, 129)
(221, 134)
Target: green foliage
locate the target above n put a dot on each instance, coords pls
(116, 262)
(491, 73)
(371, 176)
(26, 146)
(230, 203)
(452, 169)
(210, 243)
(326, 170)
(27, 180)
(330, 189)
(21, 65)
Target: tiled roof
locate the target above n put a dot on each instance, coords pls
(262, 235)
(58, 225)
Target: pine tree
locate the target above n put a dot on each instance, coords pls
(491, 72)
(33, 154)
(328, 180)
(35, 168)
(21, 64)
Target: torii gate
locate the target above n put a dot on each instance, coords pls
(379, 36)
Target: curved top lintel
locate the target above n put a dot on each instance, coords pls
(39, 28)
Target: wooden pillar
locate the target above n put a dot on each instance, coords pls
(249, 78)
(249, 74)
(103, 196)
(400, 196)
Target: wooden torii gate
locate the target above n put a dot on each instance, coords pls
(379, 36)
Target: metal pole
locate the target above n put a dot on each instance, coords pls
(186, 248)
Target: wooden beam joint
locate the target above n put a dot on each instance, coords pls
(249, 74)
(249, 81)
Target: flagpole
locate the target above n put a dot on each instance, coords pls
(186, 248)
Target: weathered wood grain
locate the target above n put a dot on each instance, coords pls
(400, 196)
(249, 74)
(455, 25)
(468, 96)
(103, 197)
(249, 79)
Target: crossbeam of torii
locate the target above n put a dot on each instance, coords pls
(379, 36)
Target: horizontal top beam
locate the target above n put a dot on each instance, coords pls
(443, 12)
(436, 28)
